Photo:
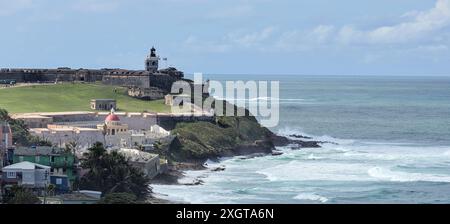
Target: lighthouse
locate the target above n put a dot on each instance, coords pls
(152, 61)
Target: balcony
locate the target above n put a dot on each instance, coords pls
(61, 164)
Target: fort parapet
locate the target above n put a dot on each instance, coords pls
(142, 81)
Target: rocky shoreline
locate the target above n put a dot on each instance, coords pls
(257, 149)
(195, 143)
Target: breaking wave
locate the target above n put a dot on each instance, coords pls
(397, 176)
(311, 197)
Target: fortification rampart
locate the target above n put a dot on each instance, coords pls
(142, 80)
(135, 121)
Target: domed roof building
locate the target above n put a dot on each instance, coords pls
(112, 118)
(112, 125)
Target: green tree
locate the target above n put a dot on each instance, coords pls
(37, 141)
(111, 173)
(18, 128)
(72, 147)
(21, 134)
(20, 195)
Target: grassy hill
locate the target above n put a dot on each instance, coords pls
(71, 97)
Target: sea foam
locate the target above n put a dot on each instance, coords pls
(311, 197)
(386, 174)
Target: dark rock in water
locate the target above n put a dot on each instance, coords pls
(254, 155)
(280, 140)
(169, 178)
(307, 144)
(277, 153)
(300, 136)
(195, 183)
(283, 141)
(218, 169)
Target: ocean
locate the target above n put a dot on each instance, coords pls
(393, 146)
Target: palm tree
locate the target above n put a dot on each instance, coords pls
(112, 173)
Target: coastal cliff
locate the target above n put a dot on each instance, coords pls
(196, 142)
(230, 136)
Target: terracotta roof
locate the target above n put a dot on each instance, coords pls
(112, 117)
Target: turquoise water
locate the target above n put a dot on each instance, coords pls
(393, 136)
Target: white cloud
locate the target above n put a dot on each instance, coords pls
(192, 43)
(96, 5)
(419, 26)
(431, 48)
(251, 39)
(426, 29)
(321, 34)
(8, 7)
(234, 40)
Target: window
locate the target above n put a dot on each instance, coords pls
(52, 159)
(11, 175)
(38, 159)
(58, 181)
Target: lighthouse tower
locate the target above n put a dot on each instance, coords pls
(152, 61)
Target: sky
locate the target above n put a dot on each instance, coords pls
(320, 37)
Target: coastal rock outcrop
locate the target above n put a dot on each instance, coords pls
(197, 142)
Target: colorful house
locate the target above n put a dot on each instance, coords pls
(62, 163)
(26, 174)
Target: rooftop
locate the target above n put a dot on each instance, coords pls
(26, 166)
(137, 156)
(38, 151)
(29, 116)
(103, 100)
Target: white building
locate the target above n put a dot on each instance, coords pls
(150, 164)
(27, 174)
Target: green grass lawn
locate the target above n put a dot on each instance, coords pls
(71, 97)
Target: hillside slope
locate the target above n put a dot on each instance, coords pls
(71, 97)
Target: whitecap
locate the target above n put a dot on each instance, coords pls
(316, 171)
(311, 197)
(387, 174)
(288, 132)
(313, 157)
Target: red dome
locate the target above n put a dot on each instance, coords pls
(112, 117)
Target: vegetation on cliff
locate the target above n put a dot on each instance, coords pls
(227, 136)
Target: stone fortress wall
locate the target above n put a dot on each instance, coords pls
(135, 121)
(140, 80)
(118, 77)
